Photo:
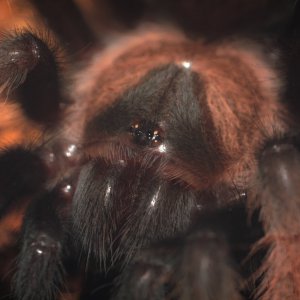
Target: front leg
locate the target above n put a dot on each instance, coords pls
(29, 73)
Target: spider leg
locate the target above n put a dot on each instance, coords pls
(148, 274)
(197, 267)
(278, 197)
(29, 73)
(40, 269)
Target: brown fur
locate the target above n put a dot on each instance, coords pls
(242, 96)
(15, 128)
(277, 193)
(241, 93)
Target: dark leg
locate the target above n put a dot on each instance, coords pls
(40, 268)
(195, 268)
(278, 196)
(148, 274)
(29, 73)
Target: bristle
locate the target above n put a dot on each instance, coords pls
(127, 208)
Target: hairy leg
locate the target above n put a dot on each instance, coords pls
(278, 196)
(40, 268)
(197, 267)
(29, 74)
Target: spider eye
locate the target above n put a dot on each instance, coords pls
(146, 133)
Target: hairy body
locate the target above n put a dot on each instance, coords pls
(132, 163)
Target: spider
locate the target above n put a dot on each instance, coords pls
(136, 167)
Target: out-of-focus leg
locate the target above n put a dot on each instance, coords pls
(197, 267)
(278, 196)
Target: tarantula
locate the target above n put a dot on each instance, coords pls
(137, 166)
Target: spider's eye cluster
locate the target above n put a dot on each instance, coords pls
(146, 133)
